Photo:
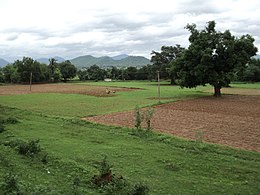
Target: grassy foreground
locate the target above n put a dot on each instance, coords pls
(71, 150)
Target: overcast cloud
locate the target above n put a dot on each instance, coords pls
(71, 28)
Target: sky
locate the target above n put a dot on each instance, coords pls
(71, 28)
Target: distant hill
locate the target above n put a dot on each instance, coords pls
(120, 57)
(105, 61)
(46, 60)
(3, 62)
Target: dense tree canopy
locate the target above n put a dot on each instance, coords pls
(161, 60)
(20, 71)
(212, 56)
(252, 71)
(67, 70)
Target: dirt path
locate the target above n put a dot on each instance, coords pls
(232, 120)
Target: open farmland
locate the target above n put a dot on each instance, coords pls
(98, 91)
(164, 163)
(232, 120)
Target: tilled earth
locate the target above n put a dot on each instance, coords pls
(232, 120)
(61, 88)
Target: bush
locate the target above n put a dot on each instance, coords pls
(138, 117)
(107, 182)
(139, 189)
(29, 148)
(148, 118)
(10, 184)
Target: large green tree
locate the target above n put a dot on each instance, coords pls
(27, 65)
(67, 70)
(212, 56)
(161, 60)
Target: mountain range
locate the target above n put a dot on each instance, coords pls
(3, 62)
(105, 61)
(46, 60)
(122, 60)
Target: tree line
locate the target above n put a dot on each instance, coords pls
(20, 71)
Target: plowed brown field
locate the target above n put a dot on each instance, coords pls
(232, 120)
(61, 88)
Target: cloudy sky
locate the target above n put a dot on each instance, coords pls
(70, 28)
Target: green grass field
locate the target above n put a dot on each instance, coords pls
(74, 105)
(167, 165)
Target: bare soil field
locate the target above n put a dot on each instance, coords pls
(238, 91)
(61, 88)
(232, 120)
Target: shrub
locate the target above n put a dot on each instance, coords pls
(10, 184)
(139, 189)
(105, 173)
(138, 117)
(148, 117)
(29, 148)
(107, 182)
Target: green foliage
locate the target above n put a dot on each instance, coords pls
(252, 71)
(67, 70)
(29, 148)
(161, 61)
(10, 74)
(148, 116)
(130, 73)
(10, 184)
(27, 65)
(104, 167)
(139, 189)
(212, 57)
(106, 181)
(95, 73)
(138, 117)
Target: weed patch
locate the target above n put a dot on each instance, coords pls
(109, 183)
(29, 148)
(10, 184)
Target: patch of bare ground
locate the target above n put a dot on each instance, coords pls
(66, 88)
(238, 91)
(232, 120)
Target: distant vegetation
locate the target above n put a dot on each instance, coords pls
(20, 71)
(105, 61)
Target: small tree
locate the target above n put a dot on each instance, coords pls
(138, 117)
(212, 57)
(148, 118)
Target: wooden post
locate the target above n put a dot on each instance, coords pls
(31, 81)
(159, 90)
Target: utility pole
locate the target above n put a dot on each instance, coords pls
(159, 90)
(31, 81)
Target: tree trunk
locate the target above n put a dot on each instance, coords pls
(217, 92)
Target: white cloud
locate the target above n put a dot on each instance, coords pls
(70, 28)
